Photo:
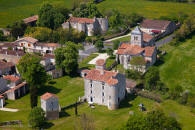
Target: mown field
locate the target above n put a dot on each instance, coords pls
(179, 65)
(12, 10)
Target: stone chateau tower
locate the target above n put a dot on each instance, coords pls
(137, 37)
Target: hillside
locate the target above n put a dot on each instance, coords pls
(179, 65)
(13, 10)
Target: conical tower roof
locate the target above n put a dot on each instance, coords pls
(136, 31)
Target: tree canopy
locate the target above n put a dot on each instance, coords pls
(34, 73)
(153, 120)
(67, 58)
(37, 117)
(87, 10)
(99, 45)
(51, 17)
(151, 78)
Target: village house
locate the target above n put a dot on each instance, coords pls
(50, 104)
(16, 88)
(31, 45)
(104, 87)
(157, 26)
(136, 47)
(89, 26)
(31, 20)
(3, 85)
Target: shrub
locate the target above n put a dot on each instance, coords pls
(37, 117)
(175, 92)
(116, 44)
(132, 74)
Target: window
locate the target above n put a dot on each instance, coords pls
(22, 44)
(103, 94)
(135, 38)
(91, 91)
(29, 45)
(109, 97)
(103, 86)
(91, 85)
(102, 100)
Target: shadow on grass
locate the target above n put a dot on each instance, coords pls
(159, 62)
(47, 125)
(52, 82)
(64, 114)
(48, 88)
(125, 103)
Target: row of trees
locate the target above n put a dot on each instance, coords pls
(60, 35)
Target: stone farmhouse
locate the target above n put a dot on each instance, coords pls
(136, 47)
(31, 20)
(104, 87)
(16, 88)
(50, 104)
(32, 45)
(89, 26)
(157, 26)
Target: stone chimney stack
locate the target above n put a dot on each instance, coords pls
(100, 65)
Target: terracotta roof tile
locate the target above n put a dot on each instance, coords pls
(155, 24)
(1, 96)
(4, 65)
(12, 78)
(16, 87)
(81, 20)
(147, 37)
(47, 95)
(106, 77)
(31, 19)
(149, 51)
(12, 52)
(100, 62)
(48, 44)
(28, 39)
(130, 49)
(49, 56)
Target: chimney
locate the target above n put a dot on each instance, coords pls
(100, 65)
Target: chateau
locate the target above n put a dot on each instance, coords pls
(104, 87)
(89, 26)
(136, 47)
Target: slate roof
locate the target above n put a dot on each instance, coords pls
(47, 95)
(155, 24)
(136, 31)
(107, 76)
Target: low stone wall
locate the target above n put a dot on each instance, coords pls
(116, 35)
(6, 123)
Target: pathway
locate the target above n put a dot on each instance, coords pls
(8, 109)
(101, 56)
(109, 40)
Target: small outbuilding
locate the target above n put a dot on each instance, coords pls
(50, 104)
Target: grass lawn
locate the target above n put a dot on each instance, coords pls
(84, 63)
(149, 9)
(127, 38)
(179, 65)
(110, 61)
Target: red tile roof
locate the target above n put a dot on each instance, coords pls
(129, 49)
(81, 20)
(12, 52)
(50, 56)
(16, 87)
(48, 44)
(85, 71)
(155, 24)
(107, 76)
(4, 65)
(47, 96)
(1, 96)
(149, 51)
(12, 78)
(28, 39)
(31, 19)
(147, 37)
(100, 62)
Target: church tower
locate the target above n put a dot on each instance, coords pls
(137, 37)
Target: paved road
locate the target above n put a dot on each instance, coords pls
(164, 41)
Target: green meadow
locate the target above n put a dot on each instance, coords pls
(13, 10)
